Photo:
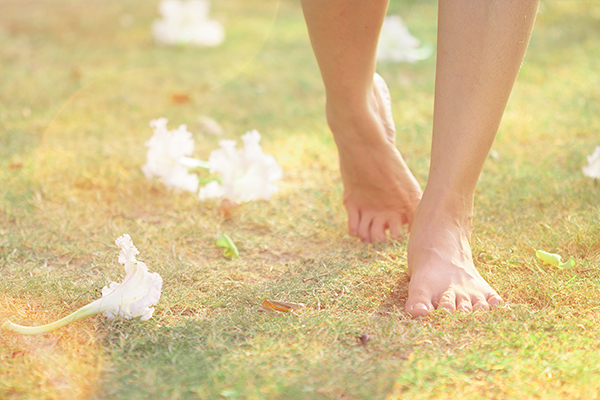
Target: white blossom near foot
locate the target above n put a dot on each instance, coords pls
(592, 170)
(397, 44)
(167, 152)
(187, 22)
(134, 297)
(380, 192)
(440, 264)
(245, 174)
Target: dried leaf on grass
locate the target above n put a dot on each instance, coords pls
(180, 98)
(227, 206)
(281, 306)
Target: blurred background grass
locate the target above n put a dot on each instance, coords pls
(79, 83)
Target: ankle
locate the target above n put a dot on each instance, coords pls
(444, 202)
(354, 123)
(355, 101)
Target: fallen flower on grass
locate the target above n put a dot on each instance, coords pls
(241, 174)
(554, 260)
(134, 297)
(187, 22)
(230, 250)
(397, 44)
(167, 151)
(246, 174)
(592, 170)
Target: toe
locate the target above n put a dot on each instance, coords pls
(494, 300)
(394, 225)
(395, 230)
(479, 303)
(419, 310)
(353, 219)
(408, 219)
(464, 304)
(364, 228)
(447, 301)
(378, 229)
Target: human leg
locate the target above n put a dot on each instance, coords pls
(380, 192)
(481, 44)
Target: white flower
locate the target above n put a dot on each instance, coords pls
(211, 190)
(397, 44)
(165, 152)
(134, 297)
(246, 174)
(186, 22)
(139, 291)
(593, 168)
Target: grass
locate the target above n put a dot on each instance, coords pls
(80, 82)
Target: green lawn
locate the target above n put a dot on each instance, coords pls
(79, 83)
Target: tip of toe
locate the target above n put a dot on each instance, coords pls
(495, 301)
(418, 310)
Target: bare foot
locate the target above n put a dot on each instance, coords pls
(440, 265)
(380, 192)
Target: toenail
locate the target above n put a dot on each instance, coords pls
(420, 306)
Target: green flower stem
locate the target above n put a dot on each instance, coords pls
(194, 163)
(84, 312)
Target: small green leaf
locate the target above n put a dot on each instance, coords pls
(230, 250)
(207, 179)
(554, 260)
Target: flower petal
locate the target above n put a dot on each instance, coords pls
(592, 170)
(139, 291)
(186, 22)
(246, 174)
(166, 149)
(397, 44)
